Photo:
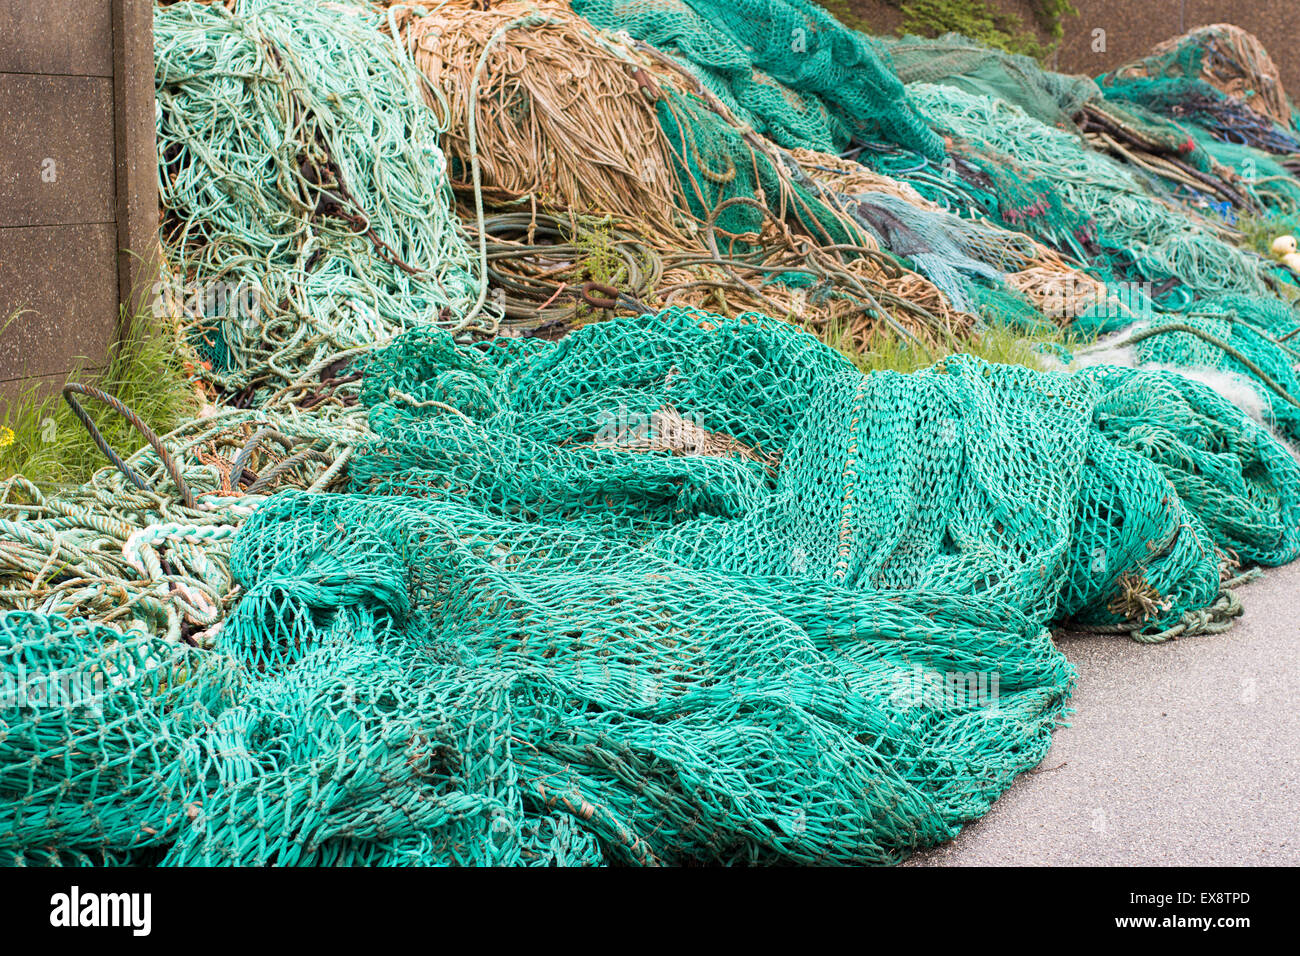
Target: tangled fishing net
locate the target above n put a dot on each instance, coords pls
(157, 557)
(683, 586)
(1220, 56)
(1126, 220)
(680, 204)
(1218, 78)
(674, 589)
(1170, 157)
(953, 60)
(969, 260)
(560, 120)
(785, 67)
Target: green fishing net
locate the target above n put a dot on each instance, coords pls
(786, 67)
(731, 187)
(94, 722)
(1057, 99)
(1226, 116)
(675, 588)
(1268, 182)
(1245, 336)
(1138, 237)
(1219, 77)
(952, 60)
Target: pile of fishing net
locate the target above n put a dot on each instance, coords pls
(677, 588)
(1224, 56)
(972, 261)
(787, 68)
(1169, 156)
(562, 117)
(683, 587)
(745, 225)
(1271, 184)
(953, 60)
(1126, 220)
(785, 443)
(1218, 76)
(1181, 272)
(147, 547)
(301, 173)
(1225, 93)
(569, 120)
(1240, 344)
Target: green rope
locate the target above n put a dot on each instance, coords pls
(300, 166)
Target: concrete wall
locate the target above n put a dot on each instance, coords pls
(78, 181)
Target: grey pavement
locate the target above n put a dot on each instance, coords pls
(1186, 753)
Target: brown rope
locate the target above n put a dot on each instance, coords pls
(560, 117)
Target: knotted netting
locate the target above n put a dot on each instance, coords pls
(93, 724)
(953, 60)
(1128, 222)
(770, 455)
(675, 588)
(1219, 76)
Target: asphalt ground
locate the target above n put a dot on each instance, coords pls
(1185, 753)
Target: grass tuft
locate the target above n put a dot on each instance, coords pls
(43, 441)
(1259, 231)
(885, 351)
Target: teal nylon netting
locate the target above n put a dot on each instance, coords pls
(728, 184)
(1127, 220)
(676, 588)
(786, 67)
(952, 60)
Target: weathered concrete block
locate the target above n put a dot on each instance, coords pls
(78, 182)
(55, 274)
(57, 162)
(72, 37)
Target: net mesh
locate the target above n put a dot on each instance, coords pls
(953, 60)
(328, 229)
(676, 588)
(786, 67)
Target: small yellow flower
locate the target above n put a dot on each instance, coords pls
(6, 437)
